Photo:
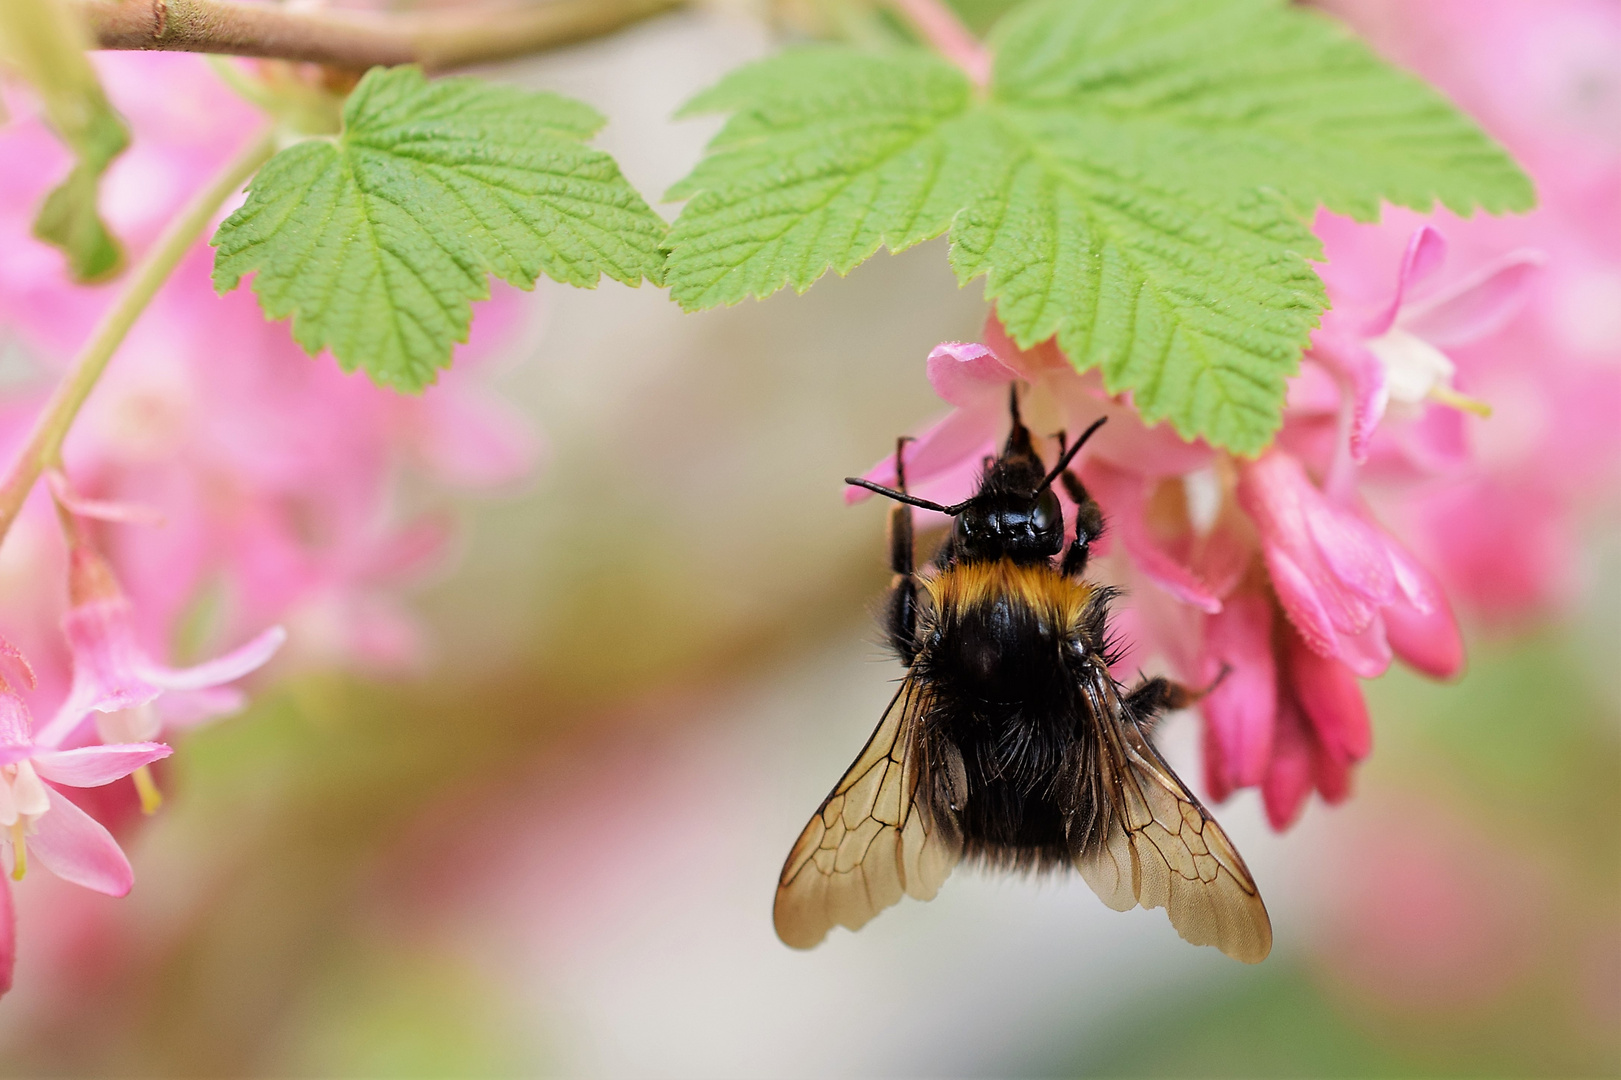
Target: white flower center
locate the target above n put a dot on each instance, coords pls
(22, 803)
(1413, 367)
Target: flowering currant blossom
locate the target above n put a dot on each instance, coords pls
(117, 683)
(1543, 79)
(37, 821)
(1273, 570)
(252, 485)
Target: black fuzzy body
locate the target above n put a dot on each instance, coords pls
(1011, 686)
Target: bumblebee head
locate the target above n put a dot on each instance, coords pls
(1015, 514)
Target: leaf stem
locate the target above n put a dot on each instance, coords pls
(941, 28)
(44, 443)
(359, 40)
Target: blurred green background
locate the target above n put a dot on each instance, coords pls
(554, 851)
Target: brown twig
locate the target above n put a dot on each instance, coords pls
(359, 40)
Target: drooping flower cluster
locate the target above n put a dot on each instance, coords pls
(218, 484)
(1275, 569)
(1468, 410)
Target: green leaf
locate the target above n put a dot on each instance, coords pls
(42, 41)
(377, 241)
(69, 218)
(1138, 180)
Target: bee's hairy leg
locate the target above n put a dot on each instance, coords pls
(1088, 525)
(1152, 698)
(900, 616)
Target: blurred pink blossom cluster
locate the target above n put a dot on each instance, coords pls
(1452, 419)
(219, 486)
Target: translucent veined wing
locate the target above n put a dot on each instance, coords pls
(874, 839)
(1161, 848)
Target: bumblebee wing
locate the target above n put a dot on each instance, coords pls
(873, 839)
(1161, 848)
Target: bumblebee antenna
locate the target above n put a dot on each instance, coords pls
(1013, 401)
(1069, 455)
(901, 496)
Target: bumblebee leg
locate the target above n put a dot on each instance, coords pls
(1152, 697)
(900, 617)
(1088, 525)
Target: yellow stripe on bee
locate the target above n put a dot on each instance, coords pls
(981, 584)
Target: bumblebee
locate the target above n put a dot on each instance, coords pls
(1009, 743)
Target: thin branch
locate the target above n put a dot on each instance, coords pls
(44, 445)
(941, 28)
(359, 40)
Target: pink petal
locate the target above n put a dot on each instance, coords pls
(476, 440)
(1029, 363)
(1424, 255)
(92, 766)
(16, 725)
(1364, 378)
(1426, 641)
(76, 848)
(1124, 499)
(101, 510)
(966, 374)
(1327, 564)
(105, 656)
(1437, 441)
(1241, 712)
(962, 437)
(8, 936)
(1331, 697)
(409, 552)
(1479, 304)
(14, 655)
(1291, 776)
(228, 668)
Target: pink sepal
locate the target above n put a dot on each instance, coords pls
(101, 510)
(1425, 253)
(1289, 778)
(189, 708)
(223, 669)
(1124, 499)
(92, 766)
(74, 846)
(1331, 697)
(1366, 653)
(965, 374)
(1426, 641)
(1241, 712)
(8, 936)
(1479, 304)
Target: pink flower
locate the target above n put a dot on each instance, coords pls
(1333, 571)
(114, 677)
(277, 475)
(35, 818)
(1393, 358)
(1541, 79)
(1221, 548)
